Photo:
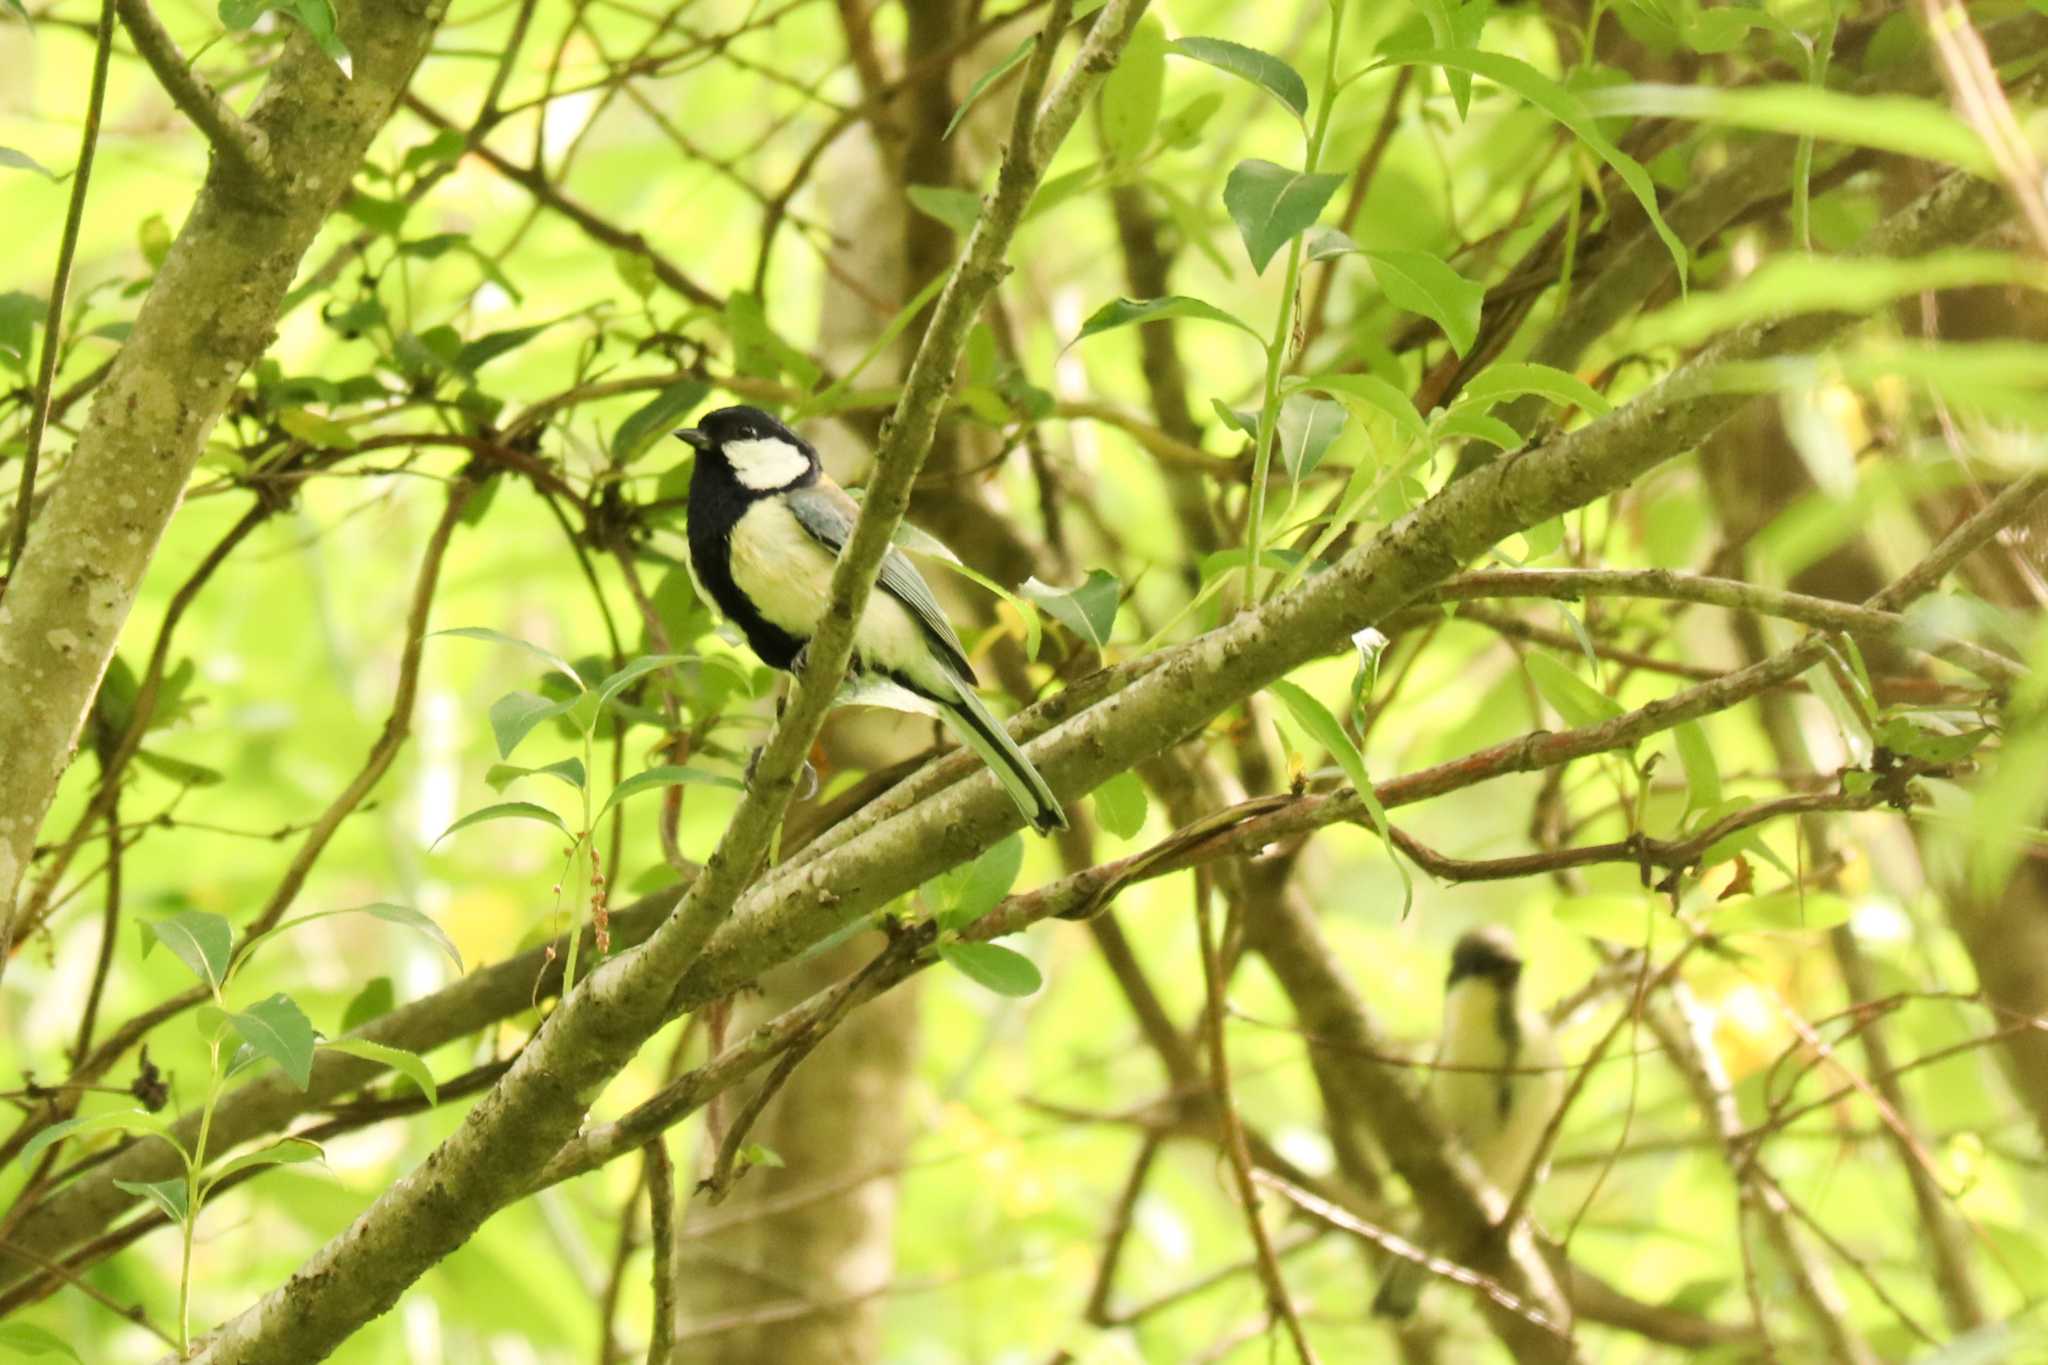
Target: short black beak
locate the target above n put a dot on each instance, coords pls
(694, 438)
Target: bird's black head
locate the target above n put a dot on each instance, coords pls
(761, 454)
(1486, 954)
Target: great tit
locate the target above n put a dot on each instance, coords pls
(1499, 1080)
(766, 526)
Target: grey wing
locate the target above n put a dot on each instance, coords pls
(825, 510)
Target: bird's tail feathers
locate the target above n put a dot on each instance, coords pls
(980, 731)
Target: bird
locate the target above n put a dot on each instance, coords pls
(766, 525)
(1498, 1080)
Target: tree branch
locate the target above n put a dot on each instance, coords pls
(242, 147)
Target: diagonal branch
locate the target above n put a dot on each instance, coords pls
(241, 146)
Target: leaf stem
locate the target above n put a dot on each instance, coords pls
(1283, 326)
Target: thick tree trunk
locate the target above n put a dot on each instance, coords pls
(208, 316)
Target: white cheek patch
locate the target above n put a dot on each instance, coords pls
(767, 462)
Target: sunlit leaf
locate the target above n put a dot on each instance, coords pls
(499, 637)
(990, 964)
(1420, 283)
(170, 1196)
(1572, 697)
(407, 1064)
(514, 715)
(201, 941)
(136, 1122)
(980, 886)
(1089, 610)
(1130, 94)
(667, 776)
(24, 1338)
(1120, 805)
(1128, 312)
(278, 1029)
(290, 1151)
(1262, 69)
(1374, 393)
(1513, 378)
(957, 209)
(1272, 204)
(506, 810)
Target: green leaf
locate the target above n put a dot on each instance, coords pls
(1902, 736)
(1420, 283)
(136, 1122)
(665, 776)
(1512, 378)
(407, 1064)
(1089, 610)
(1327, 243)
(981, 886)
(502, 775)
(384, 910)
(1565, 107)
(1315, 720)
(1130, 95)
(1307, 427)
(499, 637)
(638, 668)
(1702, 772)
(1374, 393)
(754, 1154)
(201, 941)
(1182, 128)
(20, 315)
(290, 1151)
(1472, 424)
(958, 209)
(1262, 69)
(1120, 805)
(1129, 312)
(153, 239)
(656, 418)
(987, 79)
(1904, 124)
(319, 432)
(1271, 205)
(278, 1029)
(998, 968)
(317, 16)
(20, 1337)
(168, 1195)
(1578, 701)
(514, 715)
(178, 770)
(474, 355)
(23, 161)
(374, 1000)
(506, 810)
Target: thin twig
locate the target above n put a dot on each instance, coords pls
(241, 146)
(53, 315)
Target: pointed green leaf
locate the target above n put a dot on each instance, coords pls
(1375, 393)
(201, 941)
(1321, 726)
(958, 209)
(384, 910)
(23, 161)
(1262, 69)
(984, 882)
(1307, 427)
(1702, 772)
(1128, 312)
(1327, 243)
(987, 79)
(290, 1151)
(1089, 610)
(278, 1029)
(638, 668)
(474, 355)
(499, 637)
(1130, 93)
(1512, 378)
(168, 1195)
(666, 776)
(1120, 805)
(514, 715)
(569, 770)
(1420, 283)
(1904, 124)
(374, 1000)
(506, 810)
(407, 1064)
(656, 418)
(1472, 424)
(1271, 204)
(1572, 697)
(991, 965)
(133, 1121)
